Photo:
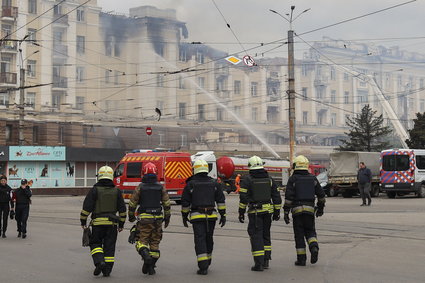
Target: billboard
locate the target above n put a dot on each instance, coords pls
(37, 153)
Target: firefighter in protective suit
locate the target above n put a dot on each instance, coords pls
(301, 190)
(103, 201)
(261, 195)
(199, 198)
(154, 208)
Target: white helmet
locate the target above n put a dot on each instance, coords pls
(200, 166)
(255, 162)
(105, 172)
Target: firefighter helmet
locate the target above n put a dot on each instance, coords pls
(301, 163)
(149, 168)
(255, 162)
(105, 172)
(200, 166)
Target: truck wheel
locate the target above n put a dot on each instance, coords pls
(391, 194)
(421, 192)
(347, 194)
(332, 192)
(375, 191)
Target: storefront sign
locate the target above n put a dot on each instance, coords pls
(34, 153)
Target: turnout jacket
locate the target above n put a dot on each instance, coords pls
(200, 197)
(149, 181)
(107, 218)
(301, 192)
(22, 196)
(250, 186)
(6, 194)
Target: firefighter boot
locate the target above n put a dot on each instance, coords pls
(301, 259)
(267, 258)
(314, 255)
(147, 259)
(99, 267)
(151, 268)
(259, 263)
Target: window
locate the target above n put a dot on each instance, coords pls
(395, 163)
(333, 119)
(254, 87)
(200, 57)
(219, 114)
(116, 77)
(320, 92)
(321, 116)
(80, 74)
(254, 114)
(347, 118)
(201, 82)
(305, 117)
(8, 133)
(80, 15)
(181, 83)
(32, 6)
(79, 102)
(304, 70)
(399, 80)
(182, 54)
(183, 140)
(134, 169)
(85, 133)
(5, 64)
(346, 77)
(32, 35)
(30, 99)
(57, 10)
(333, 74)
(108, 46)
(159, 80)
(61, 135)
(272, 114)
(35, 134)
(237, 87)
(161, 138)
(422, 105)
(420, 161)
(107, 73)
(362, 96)
(333, 96)
(304, 93)
(117, 49)
(81, 44)
(346, 97)
(56, 100)
(421, 83)
(119, 170)
(182, 110)
(4, 99)
(238, 110)
(201, 112)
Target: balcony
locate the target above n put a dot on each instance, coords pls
(8, 46)
(60, 19)
(60, 82)
(7, 78)
(60, 50)
(9, 13)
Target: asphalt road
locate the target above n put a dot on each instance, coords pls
(380, 243)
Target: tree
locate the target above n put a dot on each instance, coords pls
(417, 133)
(366, 132)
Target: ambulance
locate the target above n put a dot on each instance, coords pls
(173, 170)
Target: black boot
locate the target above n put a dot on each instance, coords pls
(99, 267)
(259, 263)
(19, 234)
(147, 260)
(151, 267)
(266, 264)
(202, 271)
(24, 235)
(301, 259)
(3, 235)
(314, 255)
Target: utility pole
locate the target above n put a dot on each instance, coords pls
(21, 106)
(291, 95)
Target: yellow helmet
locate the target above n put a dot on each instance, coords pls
(301, 163)
(105, 172)
(200, 166)
(255, 162)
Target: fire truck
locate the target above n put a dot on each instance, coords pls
(173, 170)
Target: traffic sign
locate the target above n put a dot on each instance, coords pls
(148, 131)
(248, 60)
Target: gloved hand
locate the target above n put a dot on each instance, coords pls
(222, 221)
(133, 234)
(286, 218)
(12, 214)
(185, 220)
(166, 220)
(276, 215)
(241, 217)
(131, 218)
(319, 211)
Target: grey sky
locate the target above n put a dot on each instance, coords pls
(252, 21)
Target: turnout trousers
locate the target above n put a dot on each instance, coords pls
(259, 234)
(304, 230)
(203, 233)
(4, 214)
(150, 236)
(21, 216)
(102, 244)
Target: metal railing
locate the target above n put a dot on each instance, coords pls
(60, 19)
(9, 12)
(60, 82)
(8, 78)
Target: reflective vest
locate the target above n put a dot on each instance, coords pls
(203, 193)
(106, 201)
(150, 198)
(261, 190)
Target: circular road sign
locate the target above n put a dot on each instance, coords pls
(248, 60)
(148, 131)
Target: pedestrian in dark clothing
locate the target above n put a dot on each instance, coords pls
(22, 197)
(364, 179)
(6, 204)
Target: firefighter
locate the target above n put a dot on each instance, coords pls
(22, 197)
(6, 204)
(103, 201)
(261, 195)
(199, 199)
(301, 190)
(150, 196)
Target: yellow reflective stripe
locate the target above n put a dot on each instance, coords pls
(303, 208)
(166, 203)
(202, 257)
(277, 206)
(259, 211)
(258, 253)
(123, 214)
(139, 245)
(221, 207)
(148, 216)
(154, 254)
(132, 204)
(301, 252)
(109, 259)
(96, 250)
(83, 217)
(202, 216)
(242, 205)
(122, 219)
(85, 212)
(312, 240)
(242, 190)
(185, 209)
(267, 248)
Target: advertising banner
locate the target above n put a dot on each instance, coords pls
(35, 153)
